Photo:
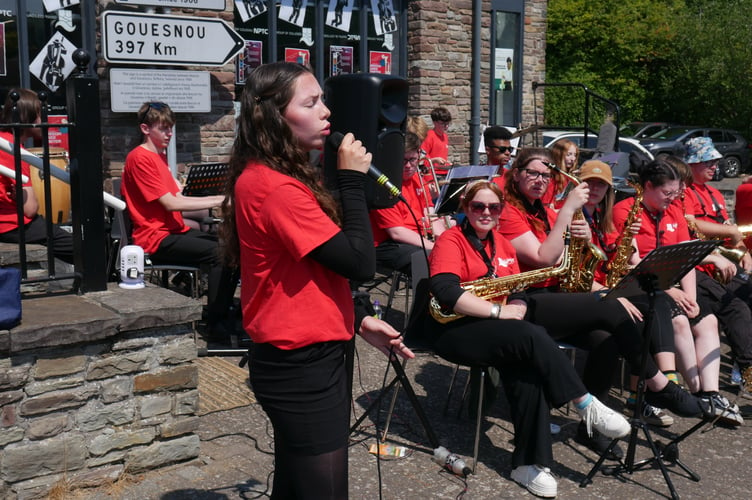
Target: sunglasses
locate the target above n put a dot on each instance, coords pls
(477, 207)
(501, 149)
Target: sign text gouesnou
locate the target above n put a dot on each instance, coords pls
(136, 38)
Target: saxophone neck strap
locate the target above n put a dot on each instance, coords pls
(478, 245)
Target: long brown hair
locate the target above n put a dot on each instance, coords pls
(559, 152)
(29, 107)
(512, 193)
(264, 136)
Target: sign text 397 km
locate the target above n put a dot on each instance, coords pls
(168, 40)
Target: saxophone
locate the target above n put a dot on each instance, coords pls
(583, 255)
(497, 288)
(619, 265)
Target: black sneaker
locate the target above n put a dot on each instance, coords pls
(678, 401)
(650, 415)
(598, 443)
(722, 409)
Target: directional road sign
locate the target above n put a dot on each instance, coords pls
(168, 40)
(187, 4)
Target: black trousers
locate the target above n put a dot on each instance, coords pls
(197, 247)
(732, 311)
(35, 231)
(535, 373)
(396, 255)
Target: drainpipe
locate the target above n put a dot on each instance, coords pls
(475, 83)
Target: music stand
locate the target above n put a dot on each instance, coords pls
(449, 197)
(205, 179)
(658, 270)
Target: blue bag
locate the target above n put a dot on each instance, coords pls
(10, 297)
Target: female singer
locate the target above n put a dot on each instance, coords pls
(534, 371)
(696, 337)
(296, 253)
(537, 234)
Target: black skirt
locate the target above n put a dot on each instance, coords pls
(305, 394)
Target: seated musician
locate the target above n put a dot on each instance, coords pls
(618, 247)
(604, 327)
(436, 143)
(155, 204)
(395, 233)
(696, 338)
(494, 333)
(35, 227)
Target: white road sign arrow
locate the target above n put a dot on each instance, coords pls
(136, 38)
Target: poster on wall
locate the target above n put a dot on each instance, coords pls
(384, 20)
(293, 11)
(339, 14)
(300, 56)
(248, 9)
(248, 60)
(380, 62)
(58, 135)
(340, 60)
(503, 73)
(53, 64)
(53, 5)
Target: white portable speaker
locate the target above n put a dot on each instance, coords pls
(132, 267)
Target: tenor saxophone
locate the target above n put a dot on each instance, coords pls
(494, 289)
(619, 265)
(584, 256)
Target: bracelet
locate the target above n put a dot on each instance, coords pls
(495, 311)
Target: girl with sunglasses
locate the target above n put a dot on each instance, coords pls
(605, 328)
(535, 373)
(297, 249)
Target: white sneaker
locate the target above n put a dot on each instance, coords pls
(604, 420)
(538, 480)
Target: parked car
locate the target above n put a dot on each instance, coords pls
(730, 143)
(626, 144)
(639, 130)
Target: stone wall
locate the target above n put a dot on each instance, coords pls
(89, 392)
(439, 53)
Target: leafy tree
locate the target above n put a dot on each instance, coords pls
(611, 47)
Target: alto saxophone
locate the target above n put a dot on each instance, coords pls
(619, 265)
(584, 256)
(496, 288)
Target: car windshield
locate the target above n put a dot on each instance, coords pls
(670, 133)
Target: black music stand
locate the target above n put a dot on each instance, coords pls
(205, 179)
(659, 270)
(449, 198)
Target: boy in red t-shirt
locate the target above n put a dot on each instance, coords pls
(436, 143)
(155, 205)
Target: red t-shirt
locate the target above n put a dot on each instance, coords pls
(289, 300)
(146, 178)
(743, 208)
(399, 214)
(515, 222)
(454, 254)
(705, 203)
(668, 229)
(8, 215)
(436, 147)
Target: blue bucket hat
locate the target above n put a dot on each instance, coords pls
(701, 149)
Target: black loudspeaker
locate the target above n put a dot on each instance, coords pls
(374, 108)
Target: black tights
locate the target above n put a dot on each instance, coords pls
(299, 476)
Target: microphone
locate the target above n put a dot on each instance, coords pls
(451, 462)
(382, 180)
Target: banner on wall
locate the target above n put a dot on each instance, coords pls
(3, 58)
(380, 62)
(248, 9)
(293, 11)
(300, 56)
(54, 62)
(384, 20)
(248, 60)
(339, 14)
(503, 73)
(340, 60)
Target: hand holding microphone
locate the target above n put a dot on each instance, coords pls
(344, 145)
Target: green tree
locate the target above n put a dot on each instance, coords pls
(613, 48)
